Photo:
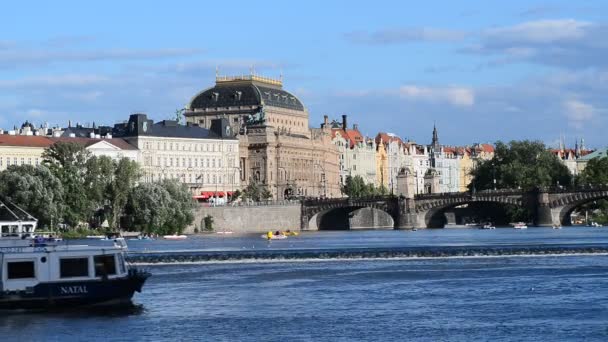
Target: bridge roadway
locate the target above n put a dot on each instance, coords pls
(548, 207)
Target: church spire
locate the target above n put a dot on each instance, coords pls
(435, 136)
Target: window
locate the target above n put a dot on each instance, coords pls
(105, 265)
(74, 267)
(20, 270)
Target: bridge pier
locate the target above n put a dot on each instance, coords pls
(405, 215)
(544, 213)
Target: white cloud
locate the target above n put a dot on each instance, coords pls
(404, 35)
(458, 96)
(55, 81)
(19, 56)
(562, 42)
(35, 113)
(578, 112)
(540, 31)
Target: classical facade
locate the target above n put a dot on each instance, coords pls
(277, 149)
(205, 159)
(22, 150)
(396, 157)
(357, 153)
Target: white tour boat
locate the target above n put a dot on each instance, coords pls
(520, 225)
(40, 273)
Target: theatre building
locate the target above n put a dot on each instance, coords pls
(277, 148)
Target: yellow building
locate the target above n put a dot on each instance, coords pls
(466, 167)
(22, 150)
(382, 176)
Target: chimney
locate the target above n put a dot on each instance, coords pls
(355, 127)
(344, 125)
(326, 120)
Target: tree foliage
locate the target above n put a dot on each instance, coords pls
(595, 172)
(520, 164)
(356, 187)
(256, 192)
(36, 190)
(67, 161)
(163, 207)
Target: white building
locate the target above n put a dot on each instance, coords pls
(205, 159)
(357, 153)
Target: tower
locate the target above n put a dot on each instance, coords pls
(435, 141)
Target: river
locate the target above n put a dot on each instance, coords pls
(342, 292)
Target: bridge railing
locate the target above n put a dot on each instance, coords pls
(469, 193)
(254, 204)
(579, 188)
(317, 201)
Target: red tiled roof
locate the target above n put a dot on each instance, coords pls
(25, 140)
(386, 138)
(353, 135)
(487, 148)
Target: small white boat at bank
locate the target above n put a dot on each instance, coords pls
(175, 237)
(520, 225)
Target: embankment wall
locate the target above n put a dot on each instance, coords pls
(249, 219)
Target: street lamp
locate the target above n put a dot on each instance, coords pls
(494, 175)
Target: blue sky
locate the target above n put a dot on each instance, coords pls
(481, 70)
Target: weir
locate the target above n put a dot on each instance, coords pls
(169, 257)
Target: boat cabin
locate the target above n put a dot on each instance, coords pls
(23, 267)
(26, 262)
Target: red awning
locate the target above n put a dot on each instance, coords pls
(210, 194)
(229, 193)
(200, 197)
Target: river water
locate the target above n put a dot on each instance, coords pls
(349, 287)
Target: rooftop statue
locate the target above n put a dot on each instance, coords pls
(258, 118)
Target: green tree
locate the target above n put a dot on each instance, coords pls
(162, 207)
(124, 180)
(355, 187)
(595, 172)
(67, 161)
(256, 192)
(98, 181)
(36, 190)
(520, 164)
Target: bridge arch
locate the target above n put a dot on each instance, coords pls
(348, 218)
(429, 212)
(349, 213)
(563, 206)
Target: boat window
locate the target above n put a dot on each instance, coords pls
(121, 263)
(105, 265)
(74, 267)
(20, 270)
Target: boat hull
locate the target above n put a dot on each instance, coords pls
(66, 295)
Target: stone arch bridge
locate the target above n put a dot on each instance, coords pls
(548, 206)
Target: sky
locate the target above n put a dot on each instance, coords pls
(481, 71)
